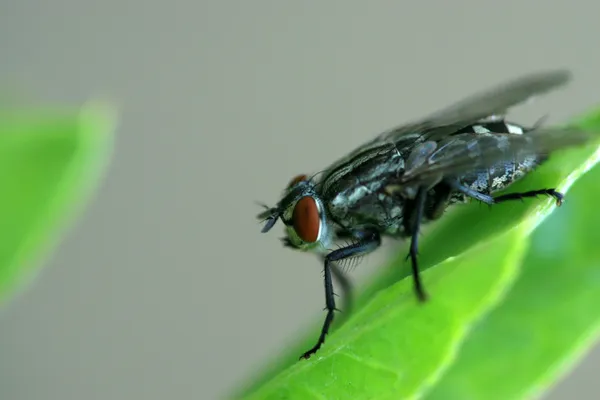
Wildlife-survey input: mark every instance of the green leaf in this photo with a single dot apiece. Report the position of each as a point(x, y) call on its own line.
point(549, 319)
point(392, 347)
point(50, 163)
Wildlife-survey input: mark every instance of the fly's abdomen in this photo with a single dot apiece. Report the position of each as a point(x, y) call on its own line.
point(502, 174)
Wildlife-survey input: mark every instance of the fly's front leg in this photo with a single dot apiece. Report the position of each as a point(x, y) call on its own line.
point(368, 243)
point(344, 282)
point(345, 285)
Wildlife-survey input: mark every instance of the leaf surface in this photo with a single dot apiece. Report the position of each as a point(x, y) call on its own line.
point(50, 163)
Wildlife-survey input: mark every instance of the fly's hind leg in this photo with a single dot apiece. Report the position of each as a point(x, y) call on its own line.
point(369, 241)
point(487, 199)
point(559, 197)
point(474, 194)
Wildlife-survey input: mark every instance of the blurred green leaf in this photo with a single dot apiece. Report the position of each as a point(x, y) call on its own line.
point(50, 163)
point(392, 347)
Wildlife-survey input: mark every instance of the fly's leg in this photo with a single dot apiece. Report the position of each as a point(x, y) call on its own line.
point(344, 234)
point(484, 198)
point(559, 197)
point(437, 203)
point(412, 224)
point(345, 286)
point(367, 244)
point(339, 275)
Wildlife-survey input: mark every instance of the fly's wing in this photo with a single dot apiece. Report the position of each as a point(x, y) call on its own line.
point(441, 124)
point(493, 101)
point(469, 152)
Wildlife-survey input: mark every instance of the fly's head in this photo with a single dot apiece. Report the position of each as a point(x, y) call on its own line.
point(303, 213)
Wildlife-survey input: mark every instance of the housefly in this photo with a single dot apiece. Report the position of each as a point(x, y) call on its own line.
point(410, 174)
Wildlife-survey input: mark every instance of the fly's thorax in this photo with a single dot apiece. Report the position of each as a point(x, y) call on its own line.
point(305, 217)
point(352, 191)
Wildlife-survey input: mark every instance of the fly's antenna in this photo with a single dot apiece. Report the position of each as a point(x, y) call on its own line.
point(270, 215)
point(270, 223)
point(261, 204)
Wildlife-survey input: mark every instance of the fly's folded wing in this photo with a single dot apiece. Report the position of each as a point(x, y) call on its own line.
point(468, 152)
point(493, 101)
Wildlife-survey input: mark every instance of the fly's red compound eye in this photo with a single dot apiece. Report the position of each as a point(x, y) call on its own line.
point(305, 219)
point(296, 180)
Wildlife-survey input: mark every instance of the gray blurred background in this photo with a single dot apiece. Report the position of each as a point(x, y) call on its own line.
point(166, 288)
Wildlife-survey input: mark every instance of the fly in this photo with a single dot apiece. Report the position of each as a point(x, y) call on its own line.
point(409, 175)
